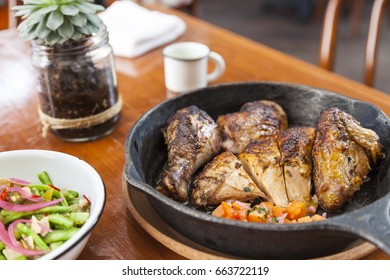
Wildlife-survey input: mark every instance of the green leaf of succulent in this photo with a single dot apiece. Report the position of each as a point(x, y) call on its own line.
point(24, 12)
point(89, 8)
point(62, 40)
point(23, 7)
point(42, 30)
point(31, 35)
point(39, 41)
point(69, 10)
point(55, 20)
point(83, 30)
point(20, 7)
point(84, 8)
point(78, 20)
point(52, 38)
point(48, 9)
point(23, 32)
point(34, 18)
point(94, 29)
point(98, 8)
point(22, 26)
point(94, 19)
point(77, 35)
point(90, 29)
point(34, 2)
point(66, 29)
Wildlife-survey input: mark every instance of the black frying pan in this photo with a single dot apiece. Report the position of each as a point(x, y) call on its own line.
point(366, 217)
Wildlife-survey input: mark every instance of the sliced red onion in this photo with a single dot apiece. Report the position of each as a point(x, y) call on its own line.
point(89, 202)
point(324, 215)
point(5, 238)
point(19, 181)
point(3, 187)
point(25, 194)
point(11, 230)
point(28, 207)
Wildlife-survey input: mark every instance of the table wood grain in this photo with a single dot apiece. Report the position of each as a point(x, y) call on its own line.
point(141, 83)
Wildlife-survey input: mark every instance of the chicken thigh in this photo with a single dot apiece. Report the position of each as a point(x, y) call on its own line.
point(193, 139)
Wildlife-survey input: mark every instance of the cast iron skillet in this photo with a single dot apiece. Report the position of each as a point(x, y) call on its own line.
point(366, 217)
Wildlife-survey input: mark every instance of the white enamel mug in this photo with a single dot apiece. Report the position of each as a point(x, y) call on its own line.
point(185, 66)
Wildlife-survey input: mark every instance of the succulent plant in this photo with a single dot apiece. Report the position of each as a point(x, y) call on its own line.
point(53, 22)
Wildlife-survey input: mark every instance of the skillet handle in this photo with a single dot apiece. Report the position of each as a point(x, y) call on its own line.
point(371, 223)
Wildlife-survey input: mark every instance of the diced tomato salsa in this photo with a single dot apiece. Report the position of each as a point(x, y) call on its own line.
point(266, 212)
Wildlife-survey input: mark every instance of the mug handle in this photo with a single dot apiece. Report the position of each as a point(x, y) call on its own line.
point(219, 67)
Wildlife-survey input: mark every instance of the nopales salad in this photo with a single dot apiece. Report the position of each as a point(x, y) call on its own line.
point(37, 218)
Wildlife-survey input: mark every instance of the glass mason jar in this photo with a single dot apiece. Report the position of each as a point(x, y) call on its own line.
point(77, 87)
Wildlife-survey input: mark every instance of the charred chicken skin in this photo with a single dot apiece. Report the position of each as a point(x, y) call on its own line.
point(343, 154)
point(296, 148)
point(223, 179)
point(193, 139)
point(256, 119)
point(271, 112)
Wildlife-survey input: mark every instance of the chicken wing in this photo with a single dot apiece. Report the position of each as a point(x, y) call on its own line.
point(193, 139)
point(341, 157)
point(224, 179)
point(256, 119)
point(366, 138)
point(261, 160)
point(296, 148)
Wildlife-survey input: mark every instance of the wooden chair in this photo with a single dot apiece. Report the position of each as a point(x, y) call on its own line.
point(12, 21)
point(329, 37)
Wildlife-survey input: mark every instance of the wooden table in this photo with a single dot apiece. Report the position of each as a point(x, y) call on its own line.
point(141, 83)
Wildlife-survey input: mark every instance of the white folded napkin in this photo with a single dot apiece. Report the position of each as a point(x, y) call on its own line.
point(134, 30)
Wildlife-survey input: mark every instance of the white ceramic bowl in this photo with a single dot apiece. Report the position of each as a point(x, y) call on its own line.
point(66, 171)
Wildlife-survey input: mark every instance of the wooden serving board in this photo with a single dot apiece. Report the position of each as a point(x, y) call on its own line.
point(154, 225)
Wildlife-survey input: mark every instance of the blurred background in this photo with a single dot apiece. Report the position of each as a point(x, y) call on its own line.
point(294, 27)
point(291, 26)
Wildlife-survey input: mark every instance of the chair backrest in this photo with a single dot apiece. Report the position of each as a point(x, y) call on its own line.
point(12, 21)
point(329, 37)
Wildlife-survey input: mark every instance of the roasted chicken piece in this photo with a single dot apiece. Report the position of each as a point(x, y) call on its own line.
point(296, 148)
point(256, 119)
point(223, 179)
point(343, 153)
point(261, 160)
point(271, 112)
point(366, 138)
point(239, 128)
point(193, 139)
